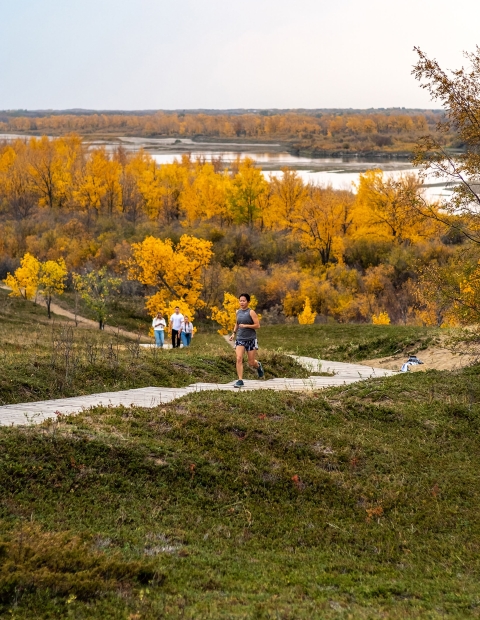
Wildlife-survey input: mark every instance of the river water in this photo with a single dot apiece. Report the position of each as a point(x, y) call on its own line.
point(338, 172)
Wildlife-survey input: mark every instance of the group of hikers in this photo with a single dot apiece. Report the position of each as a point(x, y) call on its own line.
point(244, 335)
point(180, 327)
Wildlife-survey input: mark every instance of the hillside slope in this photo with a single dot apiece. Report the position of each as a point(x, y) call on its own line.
point(357, 502)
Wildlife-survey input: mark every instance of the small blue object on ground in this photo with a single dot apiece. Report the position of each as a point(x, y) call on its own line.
point(239, 383)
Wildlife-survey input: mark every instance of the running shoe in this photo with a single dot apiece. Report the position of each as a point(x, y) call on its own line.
point(260, 371)
point(239, 383)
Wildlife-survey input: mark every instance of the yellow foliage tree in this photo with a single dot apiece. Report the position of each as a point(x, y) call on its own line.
point(205, 198)
point(226, 316)
point(24, 282)
point(51, 165)
point(288, 194)
point(386, 208)
point(246, 191)
point(307, 316)
point(320, 220)
point(449, 295)
point(381, 318)
point(52, 280)
point(174, 272)
point(17, 193)
point(99, 183)
point(161, 188)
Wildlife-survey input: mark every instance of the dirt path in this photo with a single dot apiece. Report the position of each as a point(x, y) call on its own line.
point(59, 311)
point(437, 358)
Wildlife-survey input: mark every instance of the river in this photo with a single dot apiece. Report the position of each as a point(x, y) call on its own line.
point(338, 172)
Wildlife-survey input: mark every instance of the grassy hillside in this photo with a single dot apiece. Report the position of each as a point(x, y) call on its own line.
point(357, 502)
point(44, 359)
point(347, 342)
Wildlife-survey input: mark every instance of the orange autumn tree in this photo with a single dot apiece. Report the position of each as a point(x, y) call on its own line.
point(320, 221)
point(205, 197)
point(98, 184)
point(18, 196)
point(51, 168)
point(172, 271)
point(449, 294)
point(161, 188)
point(387, 208)
point(288, 194)
point(246, 191)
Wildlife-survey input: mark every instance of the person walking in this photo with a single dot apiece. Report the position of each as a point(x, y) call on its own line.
point(176, 326)
point(246, 339)
point(159, 325)
point(186, 331)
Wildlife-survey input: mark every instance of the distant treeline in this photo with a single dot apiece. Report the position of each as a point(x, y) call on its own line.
point(315, 132)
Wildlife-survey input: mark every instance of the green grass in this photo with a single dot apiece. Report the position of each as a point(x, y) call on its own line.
point(42, 359)
point(126, 312)
point(347, 342)
point(356, 502)
point(339, 342)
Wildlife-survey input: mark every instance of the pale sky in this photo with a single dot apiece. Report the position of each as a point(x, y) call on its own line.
point(174, 54)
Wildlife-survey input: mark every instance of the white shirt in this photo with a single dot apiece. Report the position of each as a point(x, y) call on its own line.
point(159, 324)
point(176, 320)
point(187, 328)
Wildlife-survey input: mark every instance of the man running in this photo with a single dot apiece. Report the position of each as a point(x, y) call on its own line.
point(246, 338)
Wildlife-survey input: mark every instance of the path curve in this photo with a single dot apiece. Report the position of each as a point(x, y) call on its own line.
point(36, 412)
point(56, 309)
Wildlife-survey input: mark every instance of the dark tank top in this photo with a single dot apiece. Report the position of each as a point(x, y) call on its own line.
point(245, 333)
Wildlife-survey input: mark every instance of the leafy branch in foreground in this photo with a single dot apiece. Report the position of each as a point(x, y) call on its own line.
point(459, 94)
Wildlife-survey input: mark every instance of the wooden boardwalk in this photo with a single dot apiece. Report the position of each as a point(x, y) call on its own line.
point(36, 412)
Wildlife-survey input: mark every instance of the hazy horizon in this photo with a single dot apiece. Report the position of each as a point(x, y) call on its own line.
point(209, 110)
point(194, 54)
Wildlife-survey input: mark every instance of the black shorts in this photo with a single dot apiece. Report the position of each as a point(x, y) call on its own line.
point(250, 345)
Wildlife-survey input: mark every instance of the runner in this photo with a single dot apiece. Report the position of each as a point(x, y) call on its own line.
point(246, 339)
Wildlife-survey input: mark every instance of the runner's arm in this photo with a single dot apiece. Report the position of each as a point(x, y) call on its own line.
point(234, 331)
point(255, 319)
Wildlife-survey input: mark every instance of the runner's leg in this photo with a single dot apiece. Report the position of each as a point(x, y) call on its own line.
point(239, 351)
point(252, 362)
